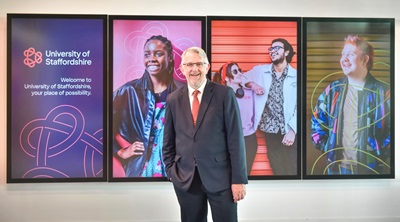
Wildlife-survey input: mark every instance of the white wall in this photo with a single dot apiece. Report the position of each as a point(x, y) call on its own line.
point(310, 200)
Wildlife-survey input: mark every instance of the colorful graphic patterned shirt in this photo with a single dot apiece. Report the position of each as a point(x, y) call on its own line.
point(373, 124)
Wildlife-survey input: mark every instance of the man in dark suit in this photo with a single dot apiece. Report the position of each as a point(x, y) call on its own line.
point(205, 156)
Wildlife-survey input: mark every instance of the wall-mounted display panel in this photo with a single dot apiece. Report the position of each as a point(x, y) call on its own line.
point(349, 82)
point(259, 57)
point(145, 54)
point(56, 98)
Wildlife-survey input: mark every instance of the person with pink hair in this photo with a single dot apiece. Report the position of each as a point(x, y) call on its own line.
point(351, 121)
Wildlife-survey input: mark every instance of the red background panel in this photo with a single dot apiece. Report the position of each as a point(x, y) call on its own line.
point(247, 43)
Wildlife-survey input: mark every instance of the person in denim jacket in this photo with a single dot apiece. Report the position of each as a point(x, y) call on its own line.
point(275, 86)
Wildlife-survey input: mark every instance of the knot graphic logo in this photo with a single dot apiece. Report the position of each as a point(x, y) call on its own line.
point(58, 146)
point(32, 57)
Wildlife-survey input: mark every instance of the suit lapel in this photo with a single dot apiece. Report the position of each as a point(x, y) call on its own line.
point(185, 105)
point(205, 102)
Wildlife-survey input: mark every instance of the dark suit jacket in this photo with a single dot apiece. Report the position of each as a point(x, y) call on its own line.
point(215, 145)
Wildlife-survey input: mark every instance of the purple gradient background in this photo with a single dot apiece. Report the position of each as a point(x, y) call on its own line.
point(69, 143)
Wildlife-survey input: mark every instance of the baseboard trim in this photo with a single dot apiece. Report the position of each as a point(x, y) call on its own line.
point(375, 219)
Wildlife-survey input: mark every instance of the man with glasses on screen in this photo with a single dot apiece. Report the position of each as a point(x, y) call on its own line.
point(275, 86)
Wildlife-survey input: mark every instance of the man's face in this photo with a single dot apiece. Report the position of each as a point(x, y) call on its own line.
point(277, 53)
point(352, 61)
point(194, 69)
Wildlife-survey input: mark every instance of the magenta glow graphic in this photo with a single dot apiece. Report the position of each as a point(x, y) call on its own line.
point(129, 37)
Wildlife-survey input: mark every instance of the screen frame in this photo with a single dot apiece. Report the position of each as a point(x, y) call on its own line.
point(112, 18)
point(306, 138)
point(298, 54)
point(10, 18)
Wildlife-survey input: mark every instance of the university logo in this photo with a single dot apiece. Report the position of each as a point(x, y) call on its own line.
point(32, 57)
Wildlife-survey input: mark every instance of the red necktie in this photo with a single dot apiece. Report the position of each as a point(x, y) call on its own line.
point(195, 106)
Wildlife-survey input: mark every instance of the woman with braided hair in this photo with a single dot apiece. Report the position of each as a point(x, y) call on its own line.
point(139, 109)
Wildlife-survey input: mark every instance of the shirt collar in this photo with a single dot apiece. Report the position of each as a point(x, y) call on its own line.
point(201, 88)
point(358, 85)
point(284, 73)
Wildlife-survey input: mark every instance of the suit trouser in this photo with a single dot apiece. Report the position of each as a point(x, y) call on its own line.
point(193, 203)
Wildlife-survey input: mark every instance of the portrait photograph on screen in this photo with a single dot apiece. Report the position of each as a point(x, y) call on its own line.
point(145, 55)
point(348, 76)
point(56, 102)
point(259, 58)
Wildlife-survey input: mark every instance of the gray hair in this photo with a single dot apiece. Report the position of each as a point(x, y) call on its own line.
point(197, 50)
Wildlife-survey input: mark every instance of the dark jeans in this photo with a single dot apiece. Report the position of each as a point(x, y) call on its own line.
point(251, 150)
point(283, 159)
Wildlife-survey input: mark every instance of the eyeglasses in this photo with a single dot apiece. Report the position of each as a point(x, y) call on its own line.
point(236, 71)
point(275, 48)
point(191, 65)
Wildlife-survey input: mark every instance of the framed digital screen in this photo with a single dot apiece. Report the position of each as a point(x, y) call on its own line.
point(145, 54)
point(349, 116)
point(259, 58)
point(56, 101)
